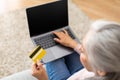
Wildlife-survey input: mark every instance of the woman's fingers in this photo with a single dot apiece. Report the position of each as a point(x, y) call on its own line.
point(39, 65)
point(57, 40)
point(65, 31)
point(58, 34)
point(34, 65)
point(34, 68)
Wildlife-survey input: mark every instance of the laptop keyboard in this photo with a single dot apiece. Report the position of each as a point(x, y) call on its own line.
point(47, 41)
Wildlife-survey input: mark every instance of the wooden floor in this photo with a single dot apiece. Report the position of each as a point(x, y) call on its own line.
point(95, 9)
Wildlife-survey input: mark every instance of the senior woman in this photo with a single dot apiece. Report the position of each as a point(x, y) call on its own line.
point(99, 52)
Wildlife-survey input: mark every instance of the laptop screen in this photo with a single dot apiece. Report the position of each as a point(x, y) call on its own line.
point(47, 17)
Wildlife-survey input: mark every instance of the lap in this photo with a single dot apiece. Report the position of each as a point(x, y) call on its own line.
point(73, 62)
point(64, 67)
point(57, 70)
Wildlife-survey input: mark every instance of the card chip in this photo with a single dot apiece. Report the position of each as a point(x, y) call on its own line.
point(37, 54)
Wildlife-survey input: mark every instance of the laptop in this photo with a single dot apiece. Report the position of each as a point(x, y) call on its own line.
point(42, 20)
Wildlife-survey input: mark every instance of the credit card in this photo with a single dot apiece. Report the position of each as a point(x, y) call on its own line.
point(37, 54)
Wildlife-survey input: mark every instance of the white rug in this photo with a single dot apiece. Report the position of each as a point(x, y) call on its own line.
point(15, 43)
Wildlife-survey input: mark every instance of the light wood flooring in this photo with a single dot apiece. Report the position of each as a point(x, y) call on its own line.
point(95, 9)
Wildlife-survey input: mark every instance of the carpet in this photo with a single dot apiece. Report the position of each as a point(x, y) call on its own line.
point(15, 43)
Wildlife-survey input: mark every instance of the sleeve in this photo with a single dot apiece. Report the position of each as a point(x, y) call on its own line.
point(81, 75)
point(77, 48)
point(23, 75)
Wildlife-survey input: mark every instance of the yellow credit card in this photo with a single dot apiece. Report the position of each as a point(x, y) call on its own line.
point(37, 54)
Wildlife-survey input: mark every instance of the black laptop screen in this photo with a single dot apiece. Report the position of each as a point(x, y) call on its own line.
point(47, 17)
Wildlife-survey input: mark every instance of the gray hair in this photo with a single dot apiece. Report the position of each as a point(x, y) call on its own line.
point(103, 47)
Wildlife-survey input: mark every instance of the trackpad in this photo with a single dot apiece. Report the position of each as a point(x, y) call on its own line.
point(60, 51)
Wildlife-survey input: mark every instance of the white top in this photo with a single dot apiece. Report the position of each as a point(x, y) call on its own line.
point(81, 75)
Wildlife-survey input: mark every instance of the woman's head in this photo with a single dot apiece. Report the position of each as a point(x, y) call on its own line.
point(102, 47)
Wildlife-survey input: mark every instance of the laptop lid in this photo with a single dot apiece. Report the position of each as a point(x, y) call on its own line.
point(47, 17)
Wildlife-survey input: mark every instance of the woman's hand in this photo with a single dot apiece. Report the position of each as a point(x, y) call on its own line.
point(38, 71)
point(65, 39)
